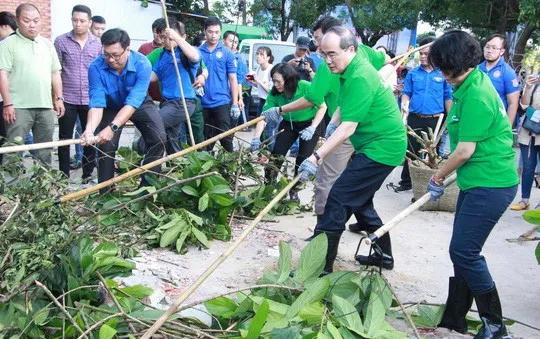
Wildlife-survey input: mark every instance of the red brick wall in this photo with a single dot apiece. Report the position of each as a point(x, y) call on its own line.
point(44, 8)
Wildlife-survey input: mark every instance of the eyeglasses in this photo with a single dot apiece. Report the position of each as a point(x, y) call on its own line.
point(491, 48)
point(278, 82)
point(331, 55)
point(114, 57)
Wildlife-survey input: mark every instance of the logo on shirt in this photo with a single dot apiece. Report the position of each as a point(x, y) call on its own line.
point(438, 79)
point(455, 118)
point(496, 74)
point(515, 82)
point(219, 55)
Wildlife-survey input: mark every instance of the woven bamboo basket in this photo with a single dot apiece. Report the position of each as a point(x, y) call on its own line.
point(420, 176)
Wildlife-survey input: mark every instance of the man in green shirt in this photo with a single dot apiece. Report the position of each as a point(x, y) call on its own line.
point(29, 73)
point(372, 122)
point(325, 88)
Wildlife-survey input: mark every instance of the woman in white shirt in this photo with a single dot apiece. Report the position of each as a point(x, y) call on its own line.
point(261, 79)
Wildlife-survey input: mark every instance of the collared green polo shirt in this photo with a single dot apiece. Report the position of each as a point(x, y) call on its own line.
point(478, 115)
point(366, 99)
point(281, 100)
point(325, 84)
point(30, 64)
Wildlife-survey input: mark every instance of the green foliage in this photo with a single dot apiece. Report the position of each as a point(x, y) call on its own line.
point(533, 217)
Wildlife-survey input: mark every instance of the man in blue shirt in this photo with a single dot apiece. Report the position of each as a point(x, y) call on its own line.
point(230, 40)
point(426, 97)
point(172, 109)
point(220, 101)
point(118, 89)
point(502, 76)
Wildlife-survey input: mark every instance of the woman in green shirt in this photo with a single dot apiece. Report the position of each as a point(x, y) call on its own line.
point(482, 155)
point(304, 124)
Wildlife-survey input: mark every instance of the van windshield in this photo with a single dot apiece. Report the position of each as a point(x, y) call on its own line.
point(278, 51)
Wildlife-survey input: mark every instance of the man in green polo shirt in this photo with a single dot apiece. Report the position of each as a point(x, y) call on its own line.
point(372, 122)
point(29, 72)
point(325, 88)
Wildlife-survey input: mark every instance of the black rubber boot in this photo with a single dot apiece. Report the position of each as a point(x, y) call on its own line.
point(331, 254)
point(489, 308)
point(319, 218)
point(457, 306)
point(384, 259)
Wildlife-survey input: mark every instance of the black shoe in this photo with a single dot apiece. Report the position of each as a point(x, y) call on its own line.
point(457, 306)
point(374, 259)
point(403, 187)
point(356, 228)
point(489, 308)
point(294, 196)
point(311, 237)
point(75, 165)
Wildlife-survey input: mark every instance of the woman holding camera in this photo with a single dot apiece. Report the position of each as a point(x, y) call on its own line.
point(261, 79)
point(482, 155)
point(304, 124)
point(529, 143)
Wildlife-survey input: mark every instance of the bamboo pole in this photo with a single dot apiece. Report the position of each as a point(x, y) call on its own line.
point(142, 169)
point(41, 145)
point(179, 78)
point(408, 53)
point(403, 214)
point(193, 287)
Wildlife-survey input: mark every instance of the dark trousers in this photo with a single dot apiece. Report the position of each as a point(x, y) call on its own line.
point(353, 192)
point(418, 124)
point(2, 132)
point(66, 124)
point(218, 120)
point(529, 155)
point(477, 211)
point(149, 123)
point(284, 141)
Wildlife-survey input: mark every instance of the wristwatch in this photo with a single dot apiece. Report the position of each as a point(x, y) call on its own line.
point(113, 127)
point(60, 98)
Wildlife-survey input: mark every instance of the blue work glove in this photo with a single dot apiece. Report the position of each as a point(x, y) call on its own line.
point(306, 169)
point(272, 115)
point(255, 144)
point(435, 189)
point(329, 130)
point(307, 133)
point(235, 112)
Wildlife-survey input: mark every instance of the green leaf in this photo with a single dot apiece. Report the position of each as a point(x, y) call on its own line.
point(221, 307)
point(40, 318)
point(222, 200)
point(207, 165)
point(107, 249)
point(170, 236)
point(285, 333)
point(314, 292)
point(203, 202)
point(138, 291)
point(374, 314)
point(258, 321)
point(284, 262)
point(180, 241)
point(347, 315)
point(429, 316)
point(275, 307)
point(106, 332)
point(538, 253)
point(195, 218)
point(312, 259)
point(190, 191)
point(115, 261)
point(200, 236)
point(312, 313)
point(333, 330)
point(532, 217)
point(220, 189)
point(144, 189)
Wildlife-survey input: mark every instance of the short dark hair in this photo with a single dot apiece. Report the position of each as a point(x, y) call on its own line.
point(312, 46)
point(157, 23)
point(455, 52)
point(25, 7)
point(198, 40)
point(211, 21)
point(227, 33)
point(173, 23)
point(325, 23)
point(425, 41)
point(115, 35)
point(290, 78)
point(7, 18)
point(500, 36)
point(98, 19)
point(82, 9)
point(268, 53)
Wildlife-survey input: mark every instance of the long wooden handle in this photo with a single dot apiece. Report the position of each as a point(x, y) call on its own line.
point(406, 54)
point(144, 168)
point(404, 214)
point(174, 307)
point(41, 145)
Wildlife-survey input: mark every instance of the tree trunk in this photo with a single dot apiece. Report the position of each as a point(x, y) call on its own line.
point(206, 7)
point(519, 51)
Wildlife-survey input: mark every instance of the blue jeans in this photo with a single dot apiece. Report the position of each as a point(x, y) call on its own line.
point(478, 210)
point(529, 156)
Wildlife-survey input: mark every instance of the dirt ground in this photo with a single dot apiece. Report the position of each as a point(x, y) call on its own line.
point(420, 246)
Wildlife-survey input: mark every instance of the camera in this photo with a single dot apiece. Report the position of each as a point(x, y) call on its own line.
point(301, 63)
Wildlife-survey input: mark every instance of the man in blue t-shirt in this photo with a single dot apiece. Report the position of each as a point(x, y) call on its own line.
point(501, 74)
point(230, 40)
point(172, 109)
point(220, 101)
point(426, 98)
point(118, 91)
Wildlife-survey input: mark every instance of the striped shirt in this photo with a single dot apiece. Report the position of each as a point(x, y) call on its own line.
point(75, 62)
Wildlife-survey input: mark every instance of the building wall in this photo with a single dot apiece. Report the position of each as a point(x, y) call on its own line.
point(44, 7)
